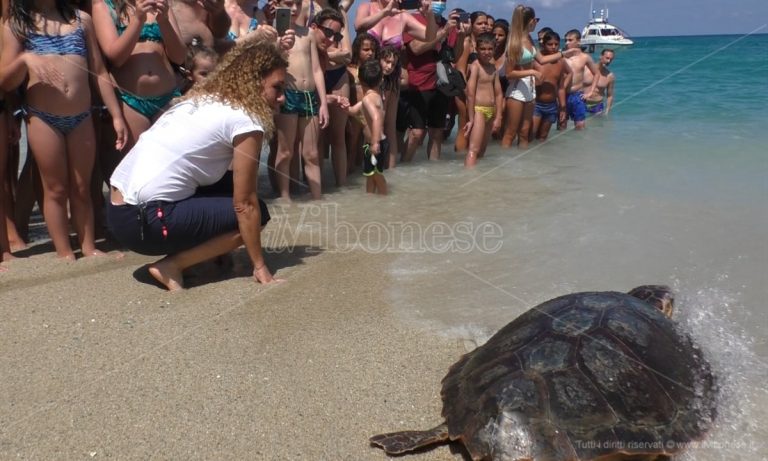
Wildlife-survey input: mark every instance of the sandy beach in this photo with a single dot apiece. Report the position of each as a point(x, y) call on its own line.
point(100, 363)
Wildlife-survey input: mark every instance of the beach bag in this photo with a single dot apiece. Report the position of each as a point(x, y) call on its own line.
point(450, 82)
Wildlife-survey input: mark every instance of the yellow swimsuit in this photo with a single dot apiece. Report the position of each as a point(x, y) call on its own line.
point(486, 111)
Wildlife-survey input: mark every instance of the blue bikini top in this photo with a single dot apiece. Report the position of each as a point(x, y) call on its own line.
point(253, 25)
point(150, 32)
point(71, 43)
point(527, 56)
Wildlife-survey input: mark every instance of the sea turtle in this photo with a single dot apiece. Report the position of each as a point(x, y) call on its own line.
point(602, 376)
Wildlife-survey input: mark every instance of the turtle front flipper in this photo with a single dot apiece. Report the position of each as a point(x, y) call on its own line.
point(397, 443)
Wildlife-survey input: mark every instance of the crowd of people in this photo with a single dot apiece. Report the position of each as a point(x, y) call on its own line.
point(168, 102)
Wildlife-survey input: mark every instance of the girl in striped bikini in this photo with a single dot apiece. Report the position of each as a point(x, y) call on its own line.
point(52, 46)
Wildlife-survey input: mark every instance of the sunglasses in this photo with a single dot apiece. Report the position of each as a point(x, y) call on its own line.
point(329, 33)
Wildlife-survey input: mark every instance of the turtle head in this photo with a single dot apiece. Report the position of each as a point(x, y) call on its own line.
point(660, 296)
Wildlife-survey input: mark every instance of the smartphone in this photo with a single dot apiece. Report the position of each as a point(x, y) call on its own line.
point(464, 17)
point(410, 4)
point(282, 20)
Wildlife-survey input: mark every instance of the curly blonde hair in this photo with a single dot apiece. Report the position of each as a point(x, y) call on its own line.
point(238, 80)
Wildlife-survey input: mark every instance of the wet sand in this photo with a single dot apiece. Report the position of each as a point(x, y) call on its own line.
point(98, 362)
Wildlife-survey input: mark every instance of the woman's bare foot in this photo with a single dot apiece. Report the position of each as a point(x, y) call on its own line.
point(168, 274)
point(6, 256)
point(17, 245)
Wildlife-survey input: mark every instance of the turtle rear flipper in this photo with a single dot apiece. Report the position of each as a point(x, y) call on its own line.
point(397, 443)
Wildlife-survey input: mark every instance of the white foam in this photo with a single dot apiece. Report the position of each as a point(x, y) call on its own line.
point(740, 433)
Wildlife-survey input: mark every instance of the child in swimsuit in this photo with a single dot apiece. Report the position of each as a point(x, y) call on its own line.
point(371, 109)
point(364, 47)
point(55, 48)
point(200, 62)
point(305, 111)
point(485, 97)
point(140, 39)
point(551, 89)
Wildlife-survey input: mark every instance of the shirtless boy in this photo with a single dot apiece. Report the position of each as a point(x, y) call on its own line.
point(371, 107)
point(485, 99)
point(550, 92)
point(305, 110)
point(601, 100)
point(578, 61)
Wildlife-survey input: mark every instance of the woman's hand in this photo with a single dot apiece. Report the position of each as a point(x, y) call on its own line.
point(390, 9)
point(426, 7)
point(264, 276)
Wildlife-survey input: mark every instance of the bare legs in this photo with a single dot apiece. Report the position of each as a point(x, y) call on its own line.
point(416, 139)
point(376, 184)
point(354, 131)
point(65, 169)
point(519, 118)
point(5, 246)
point(478, 140)
point(297, 134)
point(336, 132)
point(390, 126)
point(461, 111)
point(168, 270)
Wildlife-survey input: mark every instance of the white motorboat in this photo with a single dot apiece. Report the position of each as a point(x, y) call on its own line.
point(599, 33)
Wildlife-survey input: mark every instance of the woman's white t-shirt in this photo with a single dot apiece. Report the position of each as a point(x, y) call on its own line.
point(190, 145)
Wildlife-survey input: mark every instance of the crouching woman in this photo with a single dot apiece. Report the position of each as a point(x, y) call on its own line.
point(173, 194)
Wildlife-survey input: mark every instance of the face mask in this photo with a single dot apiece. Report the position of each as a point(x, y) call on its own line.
point(438, 8)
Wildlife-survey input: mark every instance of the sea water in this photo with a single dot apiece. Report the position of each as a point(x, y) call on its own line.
point(671, 188)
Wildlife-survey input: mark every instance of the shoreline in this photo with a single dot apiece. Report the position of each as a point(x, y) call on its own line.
point(103, 366)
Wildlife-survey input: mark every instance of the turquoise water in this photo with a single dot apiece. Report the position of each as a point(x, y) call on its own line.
point(671, 188)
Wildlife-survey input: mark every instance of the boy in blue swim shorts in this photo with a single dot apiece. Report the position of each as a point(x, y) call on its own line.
point(305, 111)
point(577, 61)
point(550, 92)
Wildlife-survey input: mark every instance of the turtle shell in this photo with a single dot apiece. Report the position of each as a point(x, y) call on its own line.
point(583, 376)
